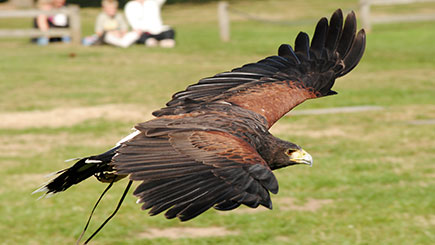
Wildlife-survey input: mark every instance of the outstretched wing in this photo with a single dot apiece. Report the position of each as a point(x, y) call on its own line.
point(275, 85)
point(187, 172)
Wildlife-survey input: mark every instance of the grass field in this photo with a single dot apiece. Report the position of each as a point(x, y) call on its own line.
point(373, 177)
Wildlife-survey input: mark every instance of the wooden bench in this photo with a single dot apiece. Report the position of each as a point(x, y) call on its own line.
point(74, 29)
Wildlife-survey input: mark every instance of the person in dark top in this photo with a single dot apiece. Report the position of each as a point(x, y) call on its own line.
point(145, 18)
point(44, 22)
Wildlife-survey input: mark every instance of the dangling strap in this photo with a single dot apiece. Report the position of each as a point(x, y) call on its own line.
point(114, 212)
point(92, 212)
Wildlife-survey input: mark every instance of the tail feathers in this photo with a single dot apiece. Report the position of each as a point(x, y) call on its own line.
point(81, 170)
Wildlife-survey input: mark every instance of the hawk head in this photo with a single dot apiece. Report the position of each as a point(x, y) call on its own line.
point(287, 153)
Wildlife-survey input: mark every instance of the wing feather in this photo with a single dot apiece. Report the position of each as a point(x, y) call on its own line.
point(308, 71)
point(348, 35)
point(355, 53)
point(302, 45)
point(198, 170)
point(334, 31)
point(318, 41)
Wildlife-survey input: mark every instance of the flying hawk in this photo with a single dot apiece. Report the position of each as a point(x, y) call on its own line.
point(210, 146)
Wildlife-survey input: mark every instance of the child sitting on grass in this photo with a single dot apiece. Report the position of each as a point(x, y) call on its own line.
point(111, 27)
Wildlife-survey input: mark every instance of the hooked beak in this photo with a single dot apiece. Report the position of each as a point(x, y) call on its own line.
point(302, 157)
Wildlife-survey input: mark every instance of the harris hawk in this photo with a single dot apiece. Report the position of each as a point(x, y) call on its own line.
point(210, 146)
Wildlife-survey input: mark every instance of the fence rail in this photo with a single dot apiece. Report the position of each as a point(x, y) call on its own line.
point(72, 11)
point(368, 20)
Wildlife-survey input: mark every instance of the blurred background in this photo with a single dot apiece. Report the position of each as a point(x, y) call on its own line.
point(373, 144)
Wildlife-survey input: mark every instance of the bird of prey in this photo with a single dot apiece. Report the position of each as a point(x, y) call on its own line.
point(210, 146)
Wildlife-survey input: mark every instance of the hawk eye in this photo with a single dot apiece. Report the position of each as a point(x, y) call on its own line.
point(289, 151)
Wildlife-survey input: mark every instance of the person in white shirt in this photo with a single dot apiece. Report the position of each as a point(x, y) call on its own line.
point(145, 19)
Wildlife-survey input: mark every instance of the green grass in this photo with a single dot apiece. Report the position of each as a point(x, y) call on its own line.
point(375, 167)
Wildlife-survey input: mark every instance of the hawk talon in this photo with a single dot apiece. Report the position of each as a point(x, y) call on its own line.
point(108, 177)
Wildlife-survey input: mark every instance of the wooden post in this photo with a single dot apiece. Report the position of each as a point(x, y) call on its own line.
point(365, 14)
point(75, 24)
point(224, 21)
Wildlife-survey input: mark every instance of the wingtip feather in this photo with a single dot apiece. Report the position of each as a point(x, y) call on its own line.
point(302, 45)
point(318, 41)
point(334, 31)
point(287, 51)
point(355, 53)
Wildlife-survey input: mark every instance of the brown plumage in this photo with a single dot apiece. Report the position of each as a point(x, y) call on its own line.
point(210, 146)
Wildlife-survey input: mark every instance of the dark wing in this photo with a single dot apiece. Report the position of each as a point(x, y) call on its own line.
point(187, 172)
point(273, 86)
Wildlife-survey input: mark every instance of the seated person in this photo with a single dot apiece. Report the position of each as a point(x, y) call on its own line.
point(145, 19)
point(44, 22)
point(111, 27)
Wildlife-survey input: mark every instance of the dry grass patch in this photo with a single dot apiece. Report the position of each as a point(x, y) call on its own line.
point(286, 203)
point(31, 144)
point(61, 117)
point(186, 232)
point(245, 210)
point(409, 113)
point(300, 130)
point(27, 181)
point(282, 239)
point(425, 221)
point(289, 203)
point(431, 175)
